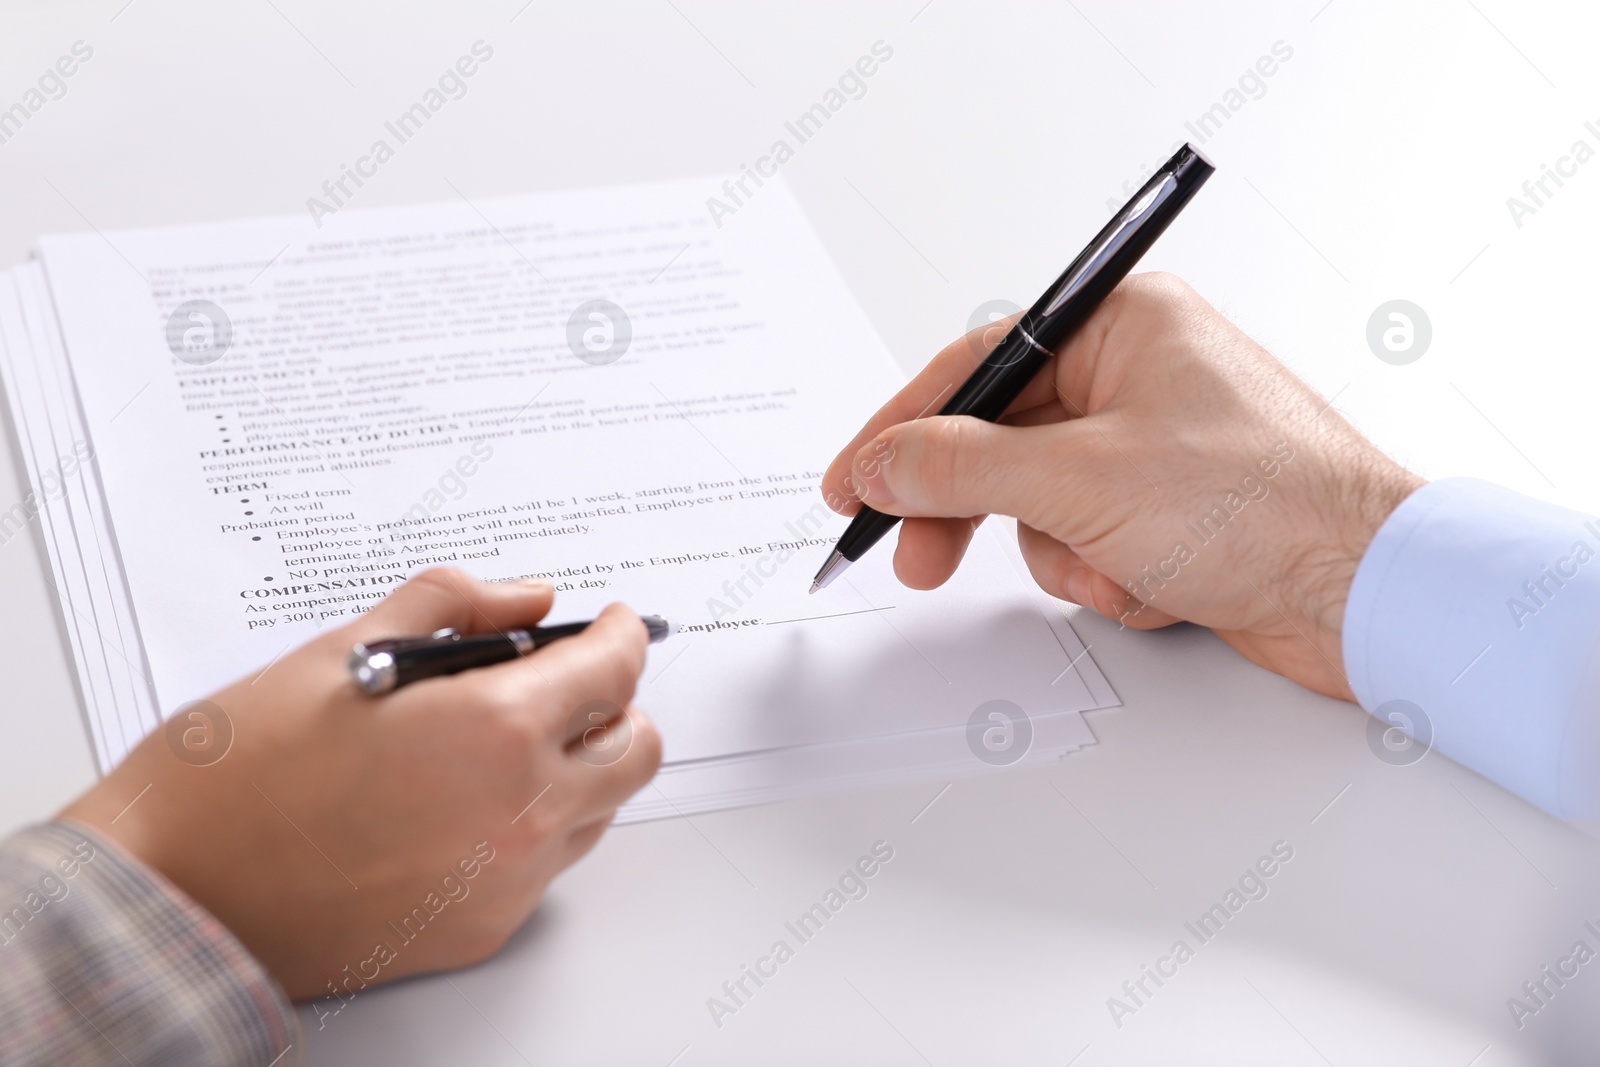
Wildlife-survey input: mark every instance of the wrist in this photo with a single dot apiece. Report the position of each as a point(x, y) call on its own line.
point(104, 811)
point(124, 808)
point(1368, 489)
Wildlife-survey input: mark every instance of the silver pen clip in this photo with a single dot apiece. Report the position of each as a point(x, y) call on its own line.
point(1132, 217)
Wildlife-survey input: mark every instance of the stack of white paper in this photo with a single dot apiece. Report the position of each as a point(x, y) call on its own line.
point(240, 434)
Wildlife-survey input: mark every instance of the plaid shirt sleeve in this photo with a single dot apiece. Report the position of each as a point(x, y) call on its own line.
point(103, 961)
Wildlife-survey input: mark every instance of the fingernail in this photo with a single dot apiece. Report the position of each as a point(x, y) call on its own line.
point(870, 483)
point(537, 584)
point(1078, 588)
point(844, 505)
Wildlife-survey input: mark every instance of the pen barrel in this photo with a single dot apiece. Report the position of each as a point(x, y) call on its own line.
point(657, 629)
point(451, 657)
point(1116, 249)
point(865, 530)
point(1081, 289)
point(999, 379)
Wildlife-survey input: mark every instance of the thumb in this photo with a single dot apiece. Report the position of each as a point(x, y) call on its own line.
point(957, 466)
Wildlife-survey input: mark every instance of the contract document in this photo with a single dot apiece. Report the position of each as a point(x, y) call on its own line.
point(270, 425)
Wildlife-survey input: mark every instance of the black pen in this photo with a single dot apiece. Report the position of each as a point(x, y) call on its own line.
point(386, 665)
point(1054, 318)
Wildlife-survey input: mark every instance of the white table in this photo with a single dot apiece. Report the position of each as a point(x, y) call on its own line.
point(1374, 165)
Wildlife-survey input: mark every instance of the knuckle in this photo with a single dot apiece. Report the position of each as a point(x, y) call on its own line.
point(873, 455)
point(1158, 291)
point(1156, 284)
point(637, 648)
point(625, 653)
point(541, 823)
point(647, 744)
point(625, 678)
point(598, 682)
point(950, 457)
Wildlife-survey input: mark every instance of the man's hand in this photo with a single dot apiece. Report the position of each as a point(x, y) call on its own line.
point(1163, 467)
point(428, 820)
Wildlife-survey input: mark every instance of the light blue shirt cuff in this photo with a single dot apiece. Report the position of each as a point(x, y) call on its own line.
point(1481, 607)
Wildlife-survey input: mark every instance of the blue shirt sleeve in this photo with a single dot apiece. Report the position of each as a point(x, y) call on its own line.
point(1475, 618)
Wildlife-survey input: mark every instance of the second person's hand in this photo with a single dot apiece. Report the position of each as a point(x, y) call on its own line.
point(348, 840)
point(1162, 467)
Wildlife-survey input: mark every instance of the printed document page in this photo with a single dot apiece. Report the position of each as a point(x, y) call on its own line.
point(600, 387)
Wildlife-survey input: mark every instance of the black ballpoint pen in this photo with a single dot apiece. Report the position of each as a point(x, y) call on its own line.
point(381, 666)
point(1064, 307)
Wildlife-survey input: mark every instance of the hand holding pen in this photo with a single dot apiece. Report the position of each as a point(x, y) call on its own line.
point(990, 390)
point(483, 784)
point(1161, 466)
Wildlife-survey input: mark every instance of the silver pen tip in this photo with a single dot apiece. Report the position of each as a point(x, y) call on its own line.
point(830, 570)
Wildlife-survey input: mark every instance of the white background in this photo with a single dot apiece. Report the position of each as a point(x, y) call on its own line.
point(1376, 166)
